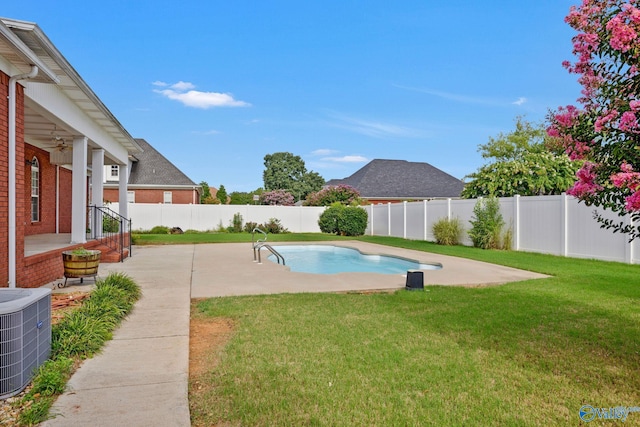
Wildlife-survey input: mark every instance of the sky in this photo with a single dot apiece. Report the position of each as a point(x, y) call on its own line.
point(216, 85)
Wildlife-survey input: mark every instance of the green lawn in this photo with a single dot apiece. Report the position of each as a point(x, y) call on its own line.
point(527, 353)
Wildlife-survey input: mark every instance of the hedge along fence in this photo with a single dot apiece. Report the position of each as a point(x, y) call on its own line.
point(556, 225)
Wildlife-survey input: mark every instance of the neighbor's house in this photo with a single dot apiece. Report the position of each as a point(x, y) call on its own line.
point(392, 181)
point(55, 138)
point(153, 179)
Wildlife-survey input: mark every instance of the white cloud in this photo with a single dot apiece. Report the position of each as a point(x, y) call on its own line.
point(520, 101)
point(160, 83)
point(182, 86)
point(183, 92)
point(346, 159)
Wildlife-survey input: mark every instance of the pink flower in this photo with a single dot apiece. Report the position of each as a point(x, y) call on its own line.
point(603, 120)
point(633, 202)
point(586, 184)
point(622, 34)
point(627, 178)
point(634, 105)
point(628, 122)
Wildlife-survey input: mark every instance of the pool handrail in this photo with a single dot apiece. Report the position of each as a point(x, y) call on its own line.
point(272, 250)
point(255, 243)
point(259, 244)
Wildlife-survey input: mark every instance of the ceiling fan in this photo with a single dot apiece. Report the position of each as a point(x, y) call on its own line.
point(58, 142)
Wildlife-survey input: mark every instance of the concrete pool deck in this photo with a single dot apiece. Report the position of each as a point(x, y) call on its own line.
point(241, 276)
point(141, 376)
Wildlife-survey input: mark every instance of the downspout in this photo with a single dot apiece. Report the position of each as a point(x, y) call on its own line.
point(12, 171)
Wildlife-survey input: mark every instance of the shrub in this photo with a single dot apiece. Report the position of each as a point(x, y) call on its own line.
point(486, 224)
point(448, 231)
point(159, 229)
point(110, 224)
point(249, 226)
point(273, 226)
point(236, 223)
point(343, 220)
point(344, 194)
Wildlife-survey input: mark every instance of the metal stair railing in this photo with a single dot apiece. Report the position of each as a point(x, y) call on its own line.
point(112, 229)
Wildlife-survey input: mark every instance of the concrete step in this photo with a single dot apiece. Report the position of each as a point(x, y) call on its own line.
point(109, 255)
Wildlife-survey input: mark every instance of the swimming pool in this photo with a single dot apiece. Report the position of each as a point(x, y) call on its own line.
point(327, 259)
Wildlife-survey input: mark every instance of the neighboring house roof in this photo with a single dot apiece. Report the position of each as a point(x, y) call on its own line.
point(153, 169)
point(400, 179)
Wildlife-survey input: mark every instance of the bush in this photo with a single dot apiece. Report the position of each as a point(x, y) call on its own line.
point(236, 223)
point(448, 231)
point(343, 220)
point(159, 229)
point(249, 226)
point(273, 226)
point(486, 224)
point(344, 194)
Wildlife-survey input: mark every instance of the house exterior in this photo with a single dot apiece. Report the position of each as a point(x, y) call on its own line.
point(152, 179)
point(55, 138)
point(393, 181)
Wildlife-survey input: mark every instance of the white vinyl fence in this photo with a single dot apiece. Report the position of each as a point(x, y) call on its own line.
point(145, 216)
point(556, 225)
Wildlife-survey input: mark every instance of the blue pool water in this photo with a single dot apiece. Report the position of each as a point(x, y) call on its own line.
point(325, 259)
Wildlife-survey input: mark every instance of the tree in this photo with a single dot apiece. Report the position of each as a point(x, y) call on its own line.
point(344, 194)
point(605, 132)
point(524, 163)
point(284, 171)
point(277, 197)
point(221, 195)
point(243, 198)
point(206, 198)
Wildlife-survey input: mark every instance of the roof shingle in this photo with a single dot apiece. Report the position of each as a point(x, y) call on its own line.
point(402, 180)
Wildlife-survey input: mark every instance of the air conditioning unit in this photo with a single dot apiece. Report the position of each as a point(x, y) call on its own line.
point(25, 336)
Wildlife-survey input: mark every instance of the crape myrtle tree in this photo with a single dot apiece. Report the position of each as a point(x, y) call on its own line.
point(521, 162)
point(604, 131)
point(285, 171)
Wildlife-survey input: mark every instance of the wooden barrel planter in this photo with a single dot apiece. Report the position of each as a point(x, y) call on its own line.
point(80, 264)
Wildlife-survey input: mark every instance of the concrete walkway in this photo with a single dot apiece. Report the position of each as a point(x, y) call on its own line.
point(141, 376)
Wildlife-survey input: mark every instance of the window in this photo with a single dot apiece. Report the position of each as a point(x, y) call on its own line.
point(114, 171)
point(35, 190)
point(167, 197)
point(131, 196)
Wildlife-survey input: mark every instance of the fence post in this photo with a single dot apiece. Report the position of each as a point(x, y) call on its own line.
point(516, 222)
point(388, 218)
point(628, 252)
point(565, 225)
point(371, 218)
point(426, 229)
point(449, 209)
point(404, 219)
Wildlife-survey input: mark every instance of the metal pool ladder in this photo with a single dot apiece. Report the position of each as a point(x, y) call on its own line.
point(259, 244)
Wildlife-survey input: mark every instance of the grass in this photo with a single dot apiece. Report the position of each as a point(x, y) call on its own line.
point(526, 353)
point(177, 239)
point(79, 335)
